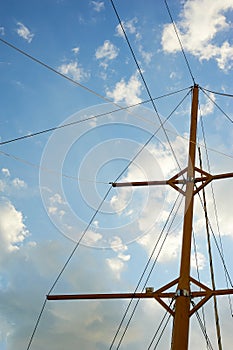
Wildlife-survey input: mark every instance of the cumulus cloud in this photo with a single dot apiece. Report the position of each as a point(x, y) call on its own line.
point(6, 172)
point(146, 55)
point(75, 50)
point(91, 238)
point(56, 205)
point(2, 31)
point(198, 33)
point(129, 27)
point(199, 260)
point(12, 228)
point(73, 70)
point(127, 92)
point(170, 249)
point(24, 32)
point(207, 107)
point(117, 264)
point(106, 52)
point(18, 183)
point(98, 6)
point(8, 185)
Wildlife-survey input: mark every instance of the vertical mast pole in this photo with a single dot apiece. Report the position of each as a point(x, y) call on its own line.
point(182, 306)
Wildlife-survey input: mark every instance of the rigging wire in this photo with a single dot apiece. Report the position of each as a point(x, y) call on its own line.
point(164, 327)
point(37, 324)
point(224, 113)
point(78, 243)
point(75, 122)
point(152, 136)
point(202, 328)
point(218, 93)
point(89, 118)
point(67, 262)
point(199, 279)
point(215, 209)
point(144, 82)
point(160, 325)
point(181, 45)
point(45, 65)
point(51, 171)
point(145, 269)
point(217, 245)
point(201, 145)
point(211, 263)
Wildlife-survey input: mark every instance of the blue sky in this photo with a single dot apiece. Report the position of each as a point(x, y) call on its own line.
point(52, 184)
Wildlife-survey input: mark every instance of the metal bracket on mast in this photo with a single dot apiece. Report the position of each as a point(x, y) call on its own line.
point(176, 180)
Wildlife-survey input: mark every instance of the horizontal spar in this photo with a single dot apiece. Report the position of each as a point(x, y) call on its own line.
point(100, 296)
point(144, 295)
point(139, 183)
point(148, 183)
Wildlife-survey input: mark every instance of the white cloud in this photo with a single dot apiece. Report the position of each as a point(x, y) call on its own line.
point(117, 245)
point(198, 260)
point(98, 6)
point(117, 264)
point(208, 107)
point(147, 56)
point(198, 33)
point(18, 183)
point(129, 27)
point(170, 249)
point(120, 200)
point(12, 228)
point(2, 31)
point(6, 172)
point(127, 92)
point(107, 51)
point(75, 50)
point(91, 238)
point(24, 32)
point(73, 70)
point(56, 201)
point(9, 186)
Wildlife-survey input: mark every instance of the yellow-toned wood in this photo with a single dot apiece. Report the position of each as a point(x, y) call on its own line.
point(182, 306)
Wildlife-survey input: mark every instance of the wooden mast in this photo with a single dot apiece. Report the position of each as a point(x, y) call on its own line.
point(182, 305)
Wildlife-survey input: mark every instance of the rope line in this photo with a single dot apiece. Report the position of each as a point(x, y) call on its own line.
point(71, 255)
point(202, 328)
point(160, 325)
point(211, 262)
point(146, 267)
point(198, 277)
point(89, 118)
point(45, 65)
point(51, 171)
point(66, 263)
point(216, 212)
point(37, 324)
point(218, 93)
point(178, 37)
point(144, 82)
point(224, 113)
point(161, 334)
point(216, 243)
point(152, 136)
